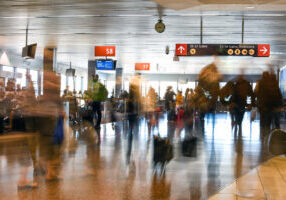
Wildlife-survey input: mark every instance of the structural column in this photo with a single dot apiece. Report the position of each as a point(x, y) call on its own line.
point(50, 80)
point(118, 81)
point(39, 81)
point(91, 71)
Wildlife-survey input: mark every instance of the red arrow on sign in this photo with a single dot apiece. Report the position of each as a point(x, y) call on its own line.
point(181, 49)
point(263, 50)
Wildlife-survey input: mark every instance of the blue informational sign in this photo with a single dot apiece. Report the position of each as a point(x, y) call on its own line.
point(105, 64)
point(282, 82)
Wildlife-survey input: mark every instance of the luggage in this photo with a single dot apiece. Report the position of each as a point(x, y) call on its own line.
point(276, 142)
point(189, 147)
point(18, 124)
point(163, 151)
point(86, 113)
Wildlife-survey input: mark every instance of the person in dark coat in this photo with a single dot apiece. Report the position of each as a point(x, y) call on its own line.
point(242, 90)
point(269, 102)
point(169, 98)
point(226, 98)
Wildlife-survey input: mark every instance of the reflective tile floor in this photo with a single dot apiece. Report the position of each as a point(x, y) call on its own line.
point(267, 181)
point(114, 164)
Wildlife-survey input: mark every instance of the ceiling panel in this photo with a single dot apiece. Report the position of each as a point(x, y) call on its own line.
point(76, 26)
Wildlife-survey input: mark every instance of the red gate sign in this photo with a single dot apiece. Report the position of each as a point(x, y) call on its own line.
point(104, 51)
point(181, 49)
point(142, 66)
point(263, 50)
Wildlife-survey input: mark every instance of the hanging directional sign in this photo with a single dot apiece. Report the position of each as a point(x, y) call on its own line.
point(142, 66)
point(104, 51)
point(255, 50)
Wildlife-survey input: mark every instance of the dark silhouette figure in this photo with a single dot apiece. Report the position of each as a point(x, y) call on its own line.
point(242, 90)
point(269, 102)
point(226, 98)
point(169, 98)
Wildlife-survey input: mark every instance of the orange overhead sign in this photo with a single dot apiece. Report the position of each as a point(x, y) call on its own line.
point(104, 51)
point(142, 66)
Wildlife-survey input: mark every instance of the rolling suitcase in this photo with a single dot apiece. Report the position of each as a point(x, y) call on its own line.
point(163, 151)
point(189, 147)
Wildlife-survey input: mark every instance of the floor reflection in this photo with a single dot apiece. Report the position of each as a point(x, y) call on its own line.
point(114, 163)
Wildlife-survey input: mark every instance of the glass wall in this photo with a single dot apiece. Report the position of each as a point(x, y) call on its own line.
point(8, 69)
point(80, 83)
point(126, 85)
point(110, 86)
point(183, 87)
point(34, 77)
point(21, 81)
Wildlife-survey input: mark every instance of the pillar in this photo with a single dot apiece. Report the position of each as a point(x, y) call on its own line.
point(48, 75)
point(39, 81)
point(118, 81)
point(91, 71)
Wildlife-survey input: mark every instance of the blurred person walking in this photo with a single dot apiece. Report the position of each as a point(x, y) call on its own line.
point(242, 90)
point(269, 102)
point(132, 119)
point(226, 98)
point(97, 94)
point(169, 98)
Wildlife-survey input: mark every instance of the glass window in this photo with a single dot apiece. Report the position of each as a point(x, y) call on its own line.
point(8, 69)
point(63, 83)
point(222, 84)
point(70, 83)
point(126, 85)
point(183, 87)
point(77, 84)
point(34, 77)
point(110, 86)
point(21, 81)
point(253, 86)
point(84, 83)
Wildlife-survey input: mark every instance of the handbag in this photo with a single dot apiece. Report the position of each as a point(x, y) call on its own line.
point(58, 135)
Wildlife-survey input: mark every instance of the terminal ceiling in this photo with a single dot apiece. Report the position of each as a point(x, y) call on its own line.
point(76, 26)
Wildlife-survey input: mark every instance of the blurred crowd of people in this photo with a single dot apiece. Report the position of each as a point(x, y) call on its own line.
point(13, 102)
point(45, 114)
point(237, 95)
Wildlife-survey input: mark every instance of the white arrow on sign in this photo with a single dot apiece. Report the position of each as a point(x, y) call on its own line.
point(181, 49)
point(264, 50)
